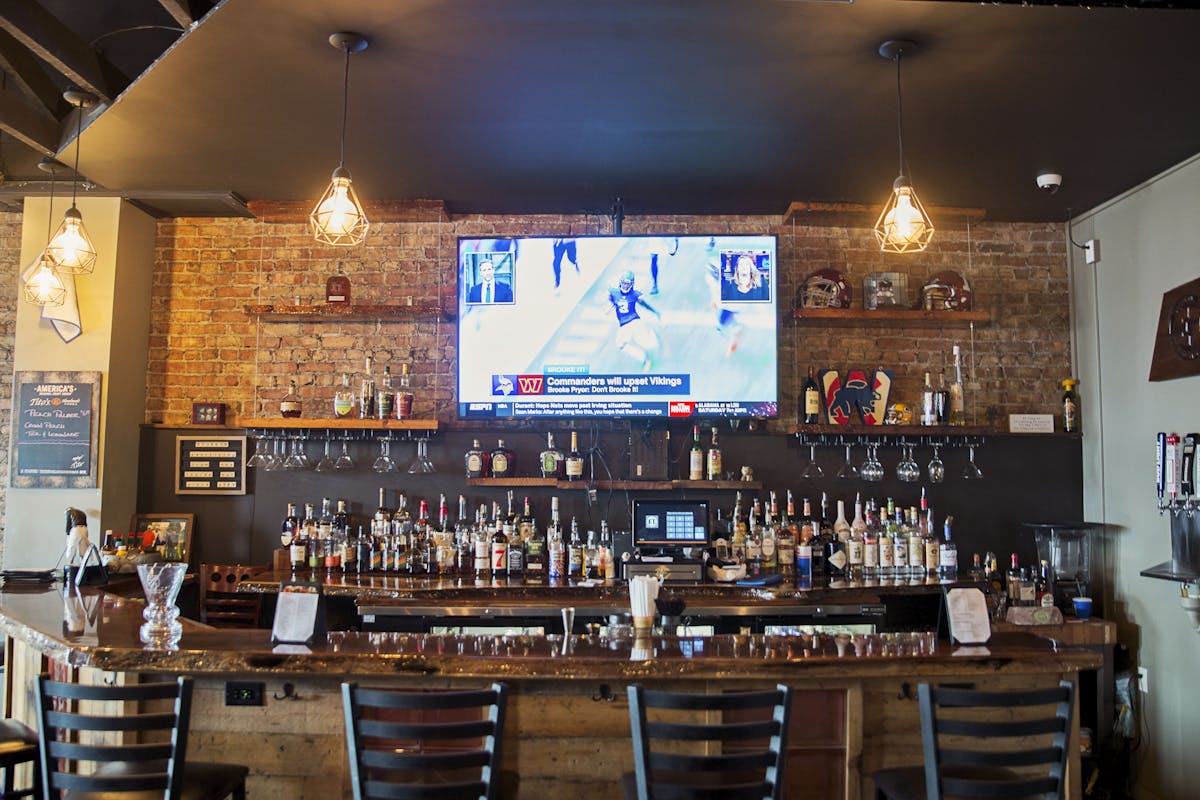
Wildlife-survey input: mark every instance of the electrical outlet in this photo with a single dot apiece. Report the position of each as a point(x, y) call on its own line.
point(1143, 680)
point(243, 693)
point(1091, 251)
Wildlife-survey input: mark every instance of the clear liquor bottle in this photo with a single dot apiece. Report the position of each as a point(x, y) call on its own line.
point(483, 548)
point(958, 398)
point(870, 545)
point(403, 404)
point(713, 464)
point(343, 399)
point(499, 551)
point(899, 544)
point(916, 545)
point(551, 460)
point(366, 405)
point(770, 542)
point(785, 539)
point(290, 406)
point(290, 526)
point(316, 557)
point(948, 554)
point(385, 399)
point(574, 552)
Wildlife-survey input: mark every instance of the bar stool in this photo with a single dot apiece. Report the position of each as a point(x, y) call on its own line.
point(18, 745)
point(135, 771)
point(732, 759)
point(424, 744)
point(220, 605)
point(983, 756)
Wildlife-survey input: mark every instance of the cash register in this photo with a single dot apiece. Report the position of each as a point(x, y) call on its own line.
point(671, 537)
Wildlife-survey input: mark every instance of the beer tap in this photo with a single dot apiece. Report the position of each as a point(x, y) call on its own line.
point(1171, 468)
point(1188, 481)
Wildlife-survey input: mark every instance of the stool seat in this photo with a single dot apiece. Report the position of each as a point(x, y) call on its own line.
point(18, 745)
point(202, 780)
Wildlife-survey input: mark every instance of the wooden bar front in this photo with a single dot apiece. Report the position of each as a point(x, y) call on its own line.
point(567, 734)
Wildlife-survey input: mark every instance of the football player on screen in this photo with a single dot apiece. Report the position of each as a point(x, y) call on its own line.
point(634, 334)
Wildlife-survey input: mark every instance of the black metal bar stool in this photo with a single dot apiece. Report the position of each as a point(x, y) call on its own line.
point(18, 745)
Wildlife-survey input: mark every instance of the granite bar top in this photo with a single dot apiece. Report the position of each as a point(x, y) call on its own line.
point(99, 629)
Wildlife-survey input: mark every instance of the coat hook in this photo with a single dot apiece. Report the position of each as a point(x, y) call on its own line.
point(289, 693)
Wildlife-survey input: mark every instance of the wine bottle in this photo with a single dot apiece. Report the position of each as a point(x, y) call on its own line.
point(696, 457)
point(958, 400)
point(812, 399)
point(928, 403)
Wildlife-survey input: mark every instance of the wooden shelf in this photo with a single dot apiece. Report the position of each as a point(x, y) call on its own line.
point(858, 215)
point(345, 424)
point(644, 486)
point(353, 312)
point(859, 429)
point(888, 316)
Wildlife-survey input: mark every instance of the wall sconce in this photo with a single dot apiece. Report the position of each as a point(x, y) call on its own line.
point(903, 226)
point(71, 249)
point(338, 218)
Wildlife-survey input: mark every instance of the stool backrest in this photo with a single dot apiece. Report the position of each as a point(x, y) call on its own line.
point(410, 744)
point(87, 745)
point(996, 743)
point(219, 604)
point(708, 756)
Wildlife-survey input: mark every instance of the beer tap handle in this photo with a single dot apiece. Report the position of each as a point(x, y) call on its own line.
point(1160, 463)
point(1172, 471)
point(1188, 481)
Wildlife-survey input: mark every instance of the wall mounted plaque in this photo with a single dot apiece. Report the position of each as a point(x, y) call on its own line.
point(1177, 338)
point(210, 465)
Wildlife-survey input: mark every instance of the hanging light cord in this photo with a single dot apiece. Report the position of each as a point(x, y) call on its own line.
point(345, 106)
point(78, 133)
point(899, 113)
point(50, 213)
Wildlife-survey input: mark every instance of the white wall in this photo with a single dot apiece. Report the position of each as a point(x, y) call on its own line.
point(1149, 243)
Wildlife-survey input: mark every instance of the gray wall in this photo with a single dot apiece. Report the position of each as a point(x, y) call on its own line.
point(1149, 243)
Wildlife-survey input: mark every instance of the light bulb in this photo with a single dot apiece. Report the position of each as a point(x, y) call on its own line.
point(42, 284)
point(905, 223)
point(70, 249)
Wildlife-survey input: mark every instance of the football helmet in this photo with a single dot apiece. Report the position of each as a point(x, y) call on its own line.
point(825, 288)
point(625, 282)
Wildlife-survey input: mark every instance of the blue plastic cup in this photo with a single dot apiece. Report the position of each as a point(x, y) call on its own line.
point(1083, 607)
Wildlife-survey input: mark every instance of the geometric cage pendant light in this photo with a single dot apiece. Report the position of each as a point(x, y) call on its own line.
point(338, 218)
point(903, 225)
point(41, 283)
point(71, 249)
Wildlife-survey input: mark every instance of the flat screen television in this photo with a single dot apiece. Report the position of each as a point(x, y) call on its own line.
point(670, 523)
point(617, 326)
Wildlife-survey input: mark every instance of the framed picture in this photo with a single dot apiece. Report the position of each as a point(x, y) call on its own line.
point(170, 533)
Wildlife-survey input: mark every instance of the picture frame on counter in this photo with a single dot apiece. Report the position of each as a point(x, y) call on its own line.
point(174, 531)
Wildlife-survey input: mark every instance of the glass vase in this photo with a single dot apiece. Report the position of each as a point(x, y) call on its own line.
point(160, 584)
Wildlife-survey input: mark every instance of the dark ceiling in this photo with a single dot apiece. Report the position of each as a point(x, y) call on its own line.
point(558, 106)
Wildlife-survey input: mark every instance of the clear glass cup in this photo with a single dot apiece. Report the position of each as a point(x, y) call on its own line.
point(384, 463)
point(326, 464)
point(421, 465)
point(275, 461)
point(262, 452)
point(296, 458)
point(848, 470)
point(344, 461)
point(813, 470)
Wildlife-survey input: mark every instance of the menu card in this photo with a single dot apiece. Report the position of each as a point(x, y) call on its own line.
point(968, 614)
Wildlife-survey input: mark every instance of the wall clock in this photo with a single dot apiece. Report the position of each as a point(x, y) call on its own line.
point(1177, 339)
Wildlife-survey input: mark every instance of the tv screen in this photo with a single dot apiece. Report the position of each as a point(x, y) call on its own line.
point(664, 523)
point(617, 326)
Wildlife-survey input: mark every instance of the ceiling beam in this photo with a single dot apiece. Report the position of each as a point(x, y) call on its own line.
point(29, 74)
point(57, 45)
point(23, 122)
point(179, 11)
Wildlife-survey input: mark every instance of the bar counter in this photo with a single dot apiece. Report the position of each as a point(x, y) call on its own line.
point(567, 734)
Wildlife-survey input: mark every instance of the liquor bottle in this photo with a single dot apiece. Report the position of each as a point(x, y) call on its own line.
point(928, 403)
point(337, 287)
point(289, 406)
point(607, 560)
point(591, 557)
point(298, 549)
point(499, 551)
point(769, 543)
point(573, 465)
point(899, 545)
point(804, 572)
point(551, 460)
point(870, 546)
point(516, 549)
point(1013, 581)
point(738, 535)
point(812, 399)
point(887, 555)
point(822, 533)
point(483, 546)
point(341, 519)
point(290, 527)
point(1028, 592)
point(535, 548)
point(316, 556)
point(859, 525)
point(421, 547)
point(504, 461)
point(958, 399)
point(366, 397)
point(785, 538)
point(841, 528)
point(444, 514)
point(1070, 402)
point(385, 400)
point(477, 461)
point(837, 558)
point(933, 545)
point(941, 400)
point(1044, 586)
point(574, 552)
point(916, 545)
point(349, 553)
point(696, 457)
point(555, 545)
point(854, 548)
point(403, 405)
point(714, 459)
point(364, 552)
point(343, 398)
point(977, 574)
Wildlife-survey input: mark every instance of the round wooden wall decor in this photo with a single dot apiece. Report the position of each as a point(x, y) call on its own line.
point(1177, 339)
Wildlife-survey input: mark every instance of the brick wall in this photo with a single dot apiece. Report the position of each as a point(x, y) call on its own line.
point(203, 346)
point(10, 272)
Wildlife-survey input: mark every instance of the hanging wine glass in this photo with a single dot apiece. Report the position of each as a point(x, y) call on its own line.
point(872, 468)
point(936, 469)
point(848, 470)
point(421, 464)
point(326, 464)
point(384, 463)
point(262, 456)
point(275, 460)
point(813, 470)
point(908, 470)
point(972, 472)
point(296, 459)
point(344, 461)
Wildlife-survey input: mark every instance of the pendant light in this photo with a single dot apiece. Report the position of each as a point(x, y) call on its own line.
point(338, 218)
point(71, 248)
point(903, 226)
point(40, 283)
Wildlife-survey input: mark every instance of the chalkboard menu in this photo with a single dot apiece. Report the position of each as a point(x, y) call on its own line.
point(56, 428)
point(210, 465)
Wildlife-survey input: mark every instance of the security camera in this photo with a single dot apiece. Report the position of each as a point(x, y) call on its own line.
point(1049, 182)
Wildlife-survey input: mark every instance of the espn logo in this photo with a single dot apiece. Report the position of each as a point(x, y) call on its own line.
point(531, 384)
point(680, 409)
